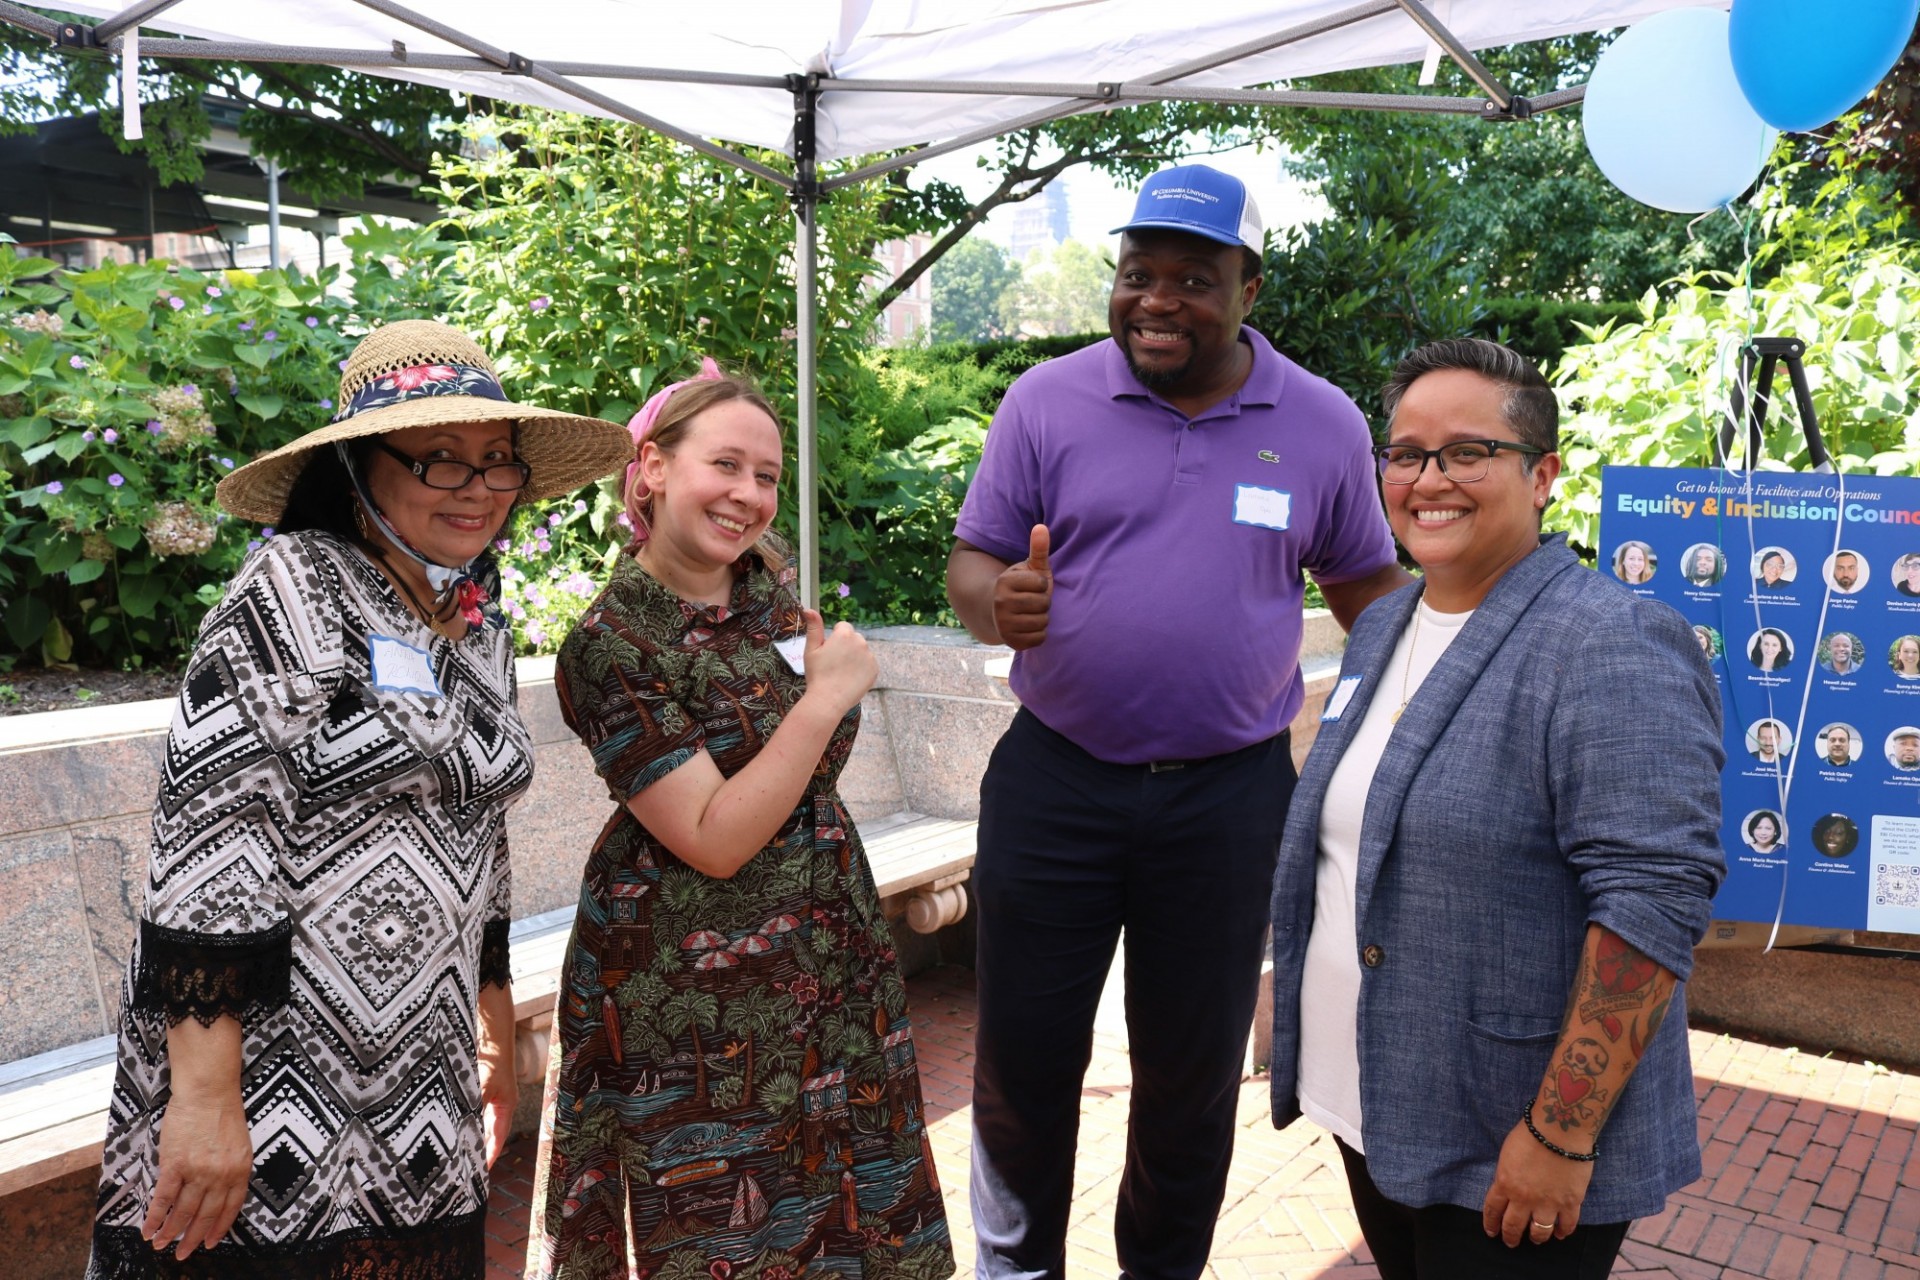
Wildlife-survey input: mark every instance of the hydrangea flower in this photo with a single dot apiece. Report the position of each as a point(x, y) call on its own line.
point(116, 479)
point(540, 303)
point(77, 362)
point(54, 486)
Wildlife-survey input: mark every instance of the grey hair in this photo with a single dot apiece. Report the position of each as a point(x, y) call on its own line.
point(1531, 410)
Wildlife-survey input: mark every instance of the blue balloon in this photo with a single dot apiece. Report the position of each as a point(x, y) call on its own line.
point(1665, 119)
point(1801, 69)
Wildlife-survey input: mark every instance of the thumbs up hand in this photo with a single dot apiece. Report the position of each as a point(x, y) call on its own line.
point(1023, 595)
point(840, 667)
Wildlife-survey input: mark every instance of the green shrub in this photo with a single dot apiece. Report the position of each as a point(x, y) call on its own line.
point(1543, 328)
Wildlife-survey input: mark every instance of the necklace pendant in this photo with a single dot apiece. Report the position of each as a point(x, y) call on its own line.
point(1398, 712)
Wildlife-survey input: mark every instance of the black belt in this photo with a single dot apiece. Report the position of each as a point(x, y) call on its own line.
point(1168, 766)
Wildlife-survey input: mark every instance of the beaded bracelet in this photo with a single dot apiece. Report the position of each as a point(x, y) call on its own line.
point(1526, 1116)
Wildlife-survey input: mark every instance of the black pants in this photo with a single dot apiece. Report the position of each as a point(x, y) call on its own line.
point(1074, 852)
point(1448, 1242)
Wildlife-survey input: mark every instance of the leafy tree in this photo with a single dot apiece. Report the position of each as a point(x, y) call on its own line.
point(332, 131)
point(1064, 291)
point(969, 290)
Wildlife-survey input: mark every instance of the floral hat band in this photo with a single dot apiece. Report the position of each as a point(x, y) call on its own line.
point(415, 381)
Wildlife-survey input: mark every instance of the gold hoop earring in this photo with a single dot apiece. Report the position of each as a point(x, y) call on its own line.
point(360, 521)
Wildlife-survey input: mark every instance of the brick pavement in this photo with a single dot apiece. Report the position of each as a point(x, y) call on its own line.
point(1812, 1172)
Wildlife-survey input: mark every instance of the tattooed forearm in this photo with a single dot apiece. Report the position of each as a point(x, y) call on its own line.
point(1618, 1001)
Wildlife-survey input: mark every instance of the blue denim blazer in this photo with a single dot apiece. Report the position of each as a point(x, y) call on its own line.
point(1559, 766)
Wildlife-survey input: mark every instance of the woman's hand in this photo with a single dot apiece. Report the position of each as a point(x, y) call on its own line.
point(499, 1085)
point(840, 667)
point(1533, 1186)
point(206, 1152)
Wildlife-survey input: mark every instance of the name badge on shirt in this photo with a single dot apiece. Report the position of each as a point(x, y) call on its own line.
point(1337, 700)
point(794, 650)
point(1268, 508)
point(398, 667)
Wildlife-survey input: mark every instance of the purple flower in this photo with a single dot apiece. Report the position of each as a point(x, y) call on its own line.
point(326, 402)
point(190, 389)
point(623, 521)
point(77, 362)
point(116, 479)
point(267, 532)
point(253, 544)
point(245, 325)
point(271, 335)
point(54, 486)
point(110, 436)
point(227, 463)
point(843, 591)
point(87, 436)
point(540, 303)
point(313, 322)
point(579, 507)
point(176, 303)
point(343, 366)
point(502, 545)
point(545, 545)
point(555, 519)
point(213, 291)
point(154, 426)
point(537, 634)
point(206, 308)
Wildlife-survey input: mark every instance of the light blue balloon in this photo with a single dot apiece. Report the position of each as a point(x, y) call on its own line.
point(1665, 119)
point(1800, 68)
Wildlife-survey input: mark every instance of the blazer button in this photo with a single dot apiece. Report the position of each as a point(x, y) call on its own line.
point(1372, 955)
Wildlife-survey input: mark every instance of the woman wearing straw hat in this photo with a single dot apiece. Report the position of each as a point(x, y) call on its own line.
point(315, 1042)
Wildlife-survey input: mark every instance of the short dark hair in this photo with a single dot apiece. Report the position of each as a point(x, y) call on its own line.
point(1531, 410)
point(1251, 268)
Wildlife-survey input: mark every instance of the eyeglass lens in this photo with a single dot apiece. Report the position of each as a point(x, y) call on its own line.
point(501, 477)
point(1464, 462)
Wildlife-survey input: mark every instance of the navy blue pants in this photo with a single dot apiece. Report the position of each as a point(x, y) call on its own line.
point(1074, 853)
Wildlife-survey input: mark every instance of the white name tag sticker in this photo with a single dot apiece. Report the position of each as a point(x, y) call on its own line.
point(1337, 700)
point(1268, 508)
point(794, 650)
point(398, 667)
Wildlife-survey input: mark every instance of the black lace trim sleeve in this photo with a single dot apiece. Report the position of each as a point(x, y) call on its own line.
point(496, 969)
point(209, 976)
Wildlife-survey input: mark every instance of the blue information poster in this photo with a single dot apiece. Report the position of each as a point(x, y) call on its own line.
point(1805, 591)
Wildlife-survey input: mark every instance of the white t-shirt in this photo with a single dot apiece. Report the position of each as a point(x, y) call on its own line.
point(1329, 1079)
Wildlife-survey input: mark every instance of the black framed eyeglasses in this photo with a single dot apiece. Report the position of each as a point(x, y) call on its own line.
point(451, 473)
point(1463, 461)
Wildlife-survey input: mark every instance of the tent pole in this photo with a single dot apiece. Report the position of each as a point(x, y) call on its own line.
point(806, 263)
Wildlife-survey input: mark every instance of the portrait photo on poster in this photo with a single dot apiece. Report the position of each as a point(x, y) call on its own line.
point(1906, 574)
point(1763, 831)
point(1834, 835)
point(1769, 650)
point(1704, 565)
point(1903, 748)
point(1710, 642)
point(1842, 652)
point(1846, 571)
point(1768, 740)
point(1840, 745)
point(1774, 568)
point(1904, 657)
point(1634, 563)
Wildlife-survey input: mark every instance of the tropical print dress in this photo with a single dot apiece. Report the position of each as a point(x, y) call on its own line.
point(733, 1093)
point(329, 866)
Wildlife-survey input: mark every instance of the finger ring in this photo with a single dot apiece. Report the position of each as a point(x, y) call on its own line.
point(1543, 1226)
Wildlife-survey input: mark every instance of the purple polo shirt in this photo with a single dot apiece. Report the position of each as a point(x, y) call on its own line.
point(1177, 546)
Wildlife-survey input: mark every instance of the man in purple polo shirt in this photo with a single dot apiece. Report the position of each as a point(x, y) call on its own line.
point(1138, 531)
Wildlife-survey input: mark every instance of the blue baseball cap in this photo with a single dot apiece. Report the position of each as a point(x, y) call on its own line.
point(1201, 201)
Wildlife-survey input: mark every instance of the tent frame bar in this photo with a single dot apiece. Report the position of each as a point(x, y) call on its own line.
point(805, 184)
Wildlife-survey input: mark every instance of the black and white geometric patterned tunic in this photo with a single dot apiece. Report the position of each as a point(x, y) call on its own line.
point(329, 864)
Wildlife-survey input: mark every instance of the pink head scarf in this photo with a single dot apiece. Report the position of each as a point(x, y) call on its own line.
point(635, 488)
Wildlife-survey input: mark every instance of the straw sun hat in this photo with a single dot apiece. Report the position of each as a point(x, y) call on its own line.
point(417, 373)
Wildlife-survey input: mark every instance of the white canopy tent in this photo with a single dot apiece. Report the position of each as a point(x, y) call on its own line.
point(835, 80)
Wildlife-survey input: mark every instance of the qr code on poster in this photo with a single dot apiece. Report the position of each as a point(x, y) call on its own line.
point(1896, 886)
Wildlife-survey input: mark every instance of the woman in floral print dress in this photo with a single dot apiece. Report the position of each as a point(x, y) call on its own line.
point(734, 1094)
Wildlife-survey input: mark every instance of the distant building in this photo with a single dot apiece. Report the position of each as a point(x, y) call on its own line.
point(910, 315)
point(1040, 223)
